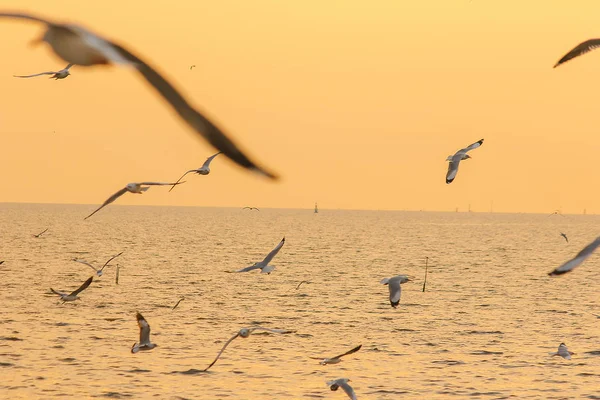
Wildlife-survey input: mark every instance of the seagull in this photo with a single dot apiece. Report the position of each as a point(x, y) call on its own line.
point(298, 287)
point(79, 46)
point(131, 188)
point(336, 359)
point(192, 66)
point(144, 335)
point(579, 50)
point(343, 383)
point(563, 352)
point(395, 289)
point(100, 271)
point(62, 74)
point(565, 236)
point(264, 266)
point(175, 306)
point(203, 170)
point(457, 158)
point(41, 233)
point(578, 259)
point(251, 208)
point(557, 212)
point(244, 333)
point(73, 295)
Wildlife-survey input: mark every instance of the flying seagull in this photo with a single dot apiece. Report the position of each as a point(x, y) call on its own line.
point(62, 74)
point(557, 212)
point(342, 383)
point(563, 352)
point(203, 170)
point(100, 271)
point(73, 295)
point(579, 50)
point(78, 46)
point(298, 287)
point(336, 359)
point(244, 333)
point(251, 208)
point(264, 266)
point(395, 289)
point(131, 188)
point(175, 306)
point(144, 335)
point(565, 236)
point(192, 66)
point(578, 259)
point(41, 233)
point(457, 158)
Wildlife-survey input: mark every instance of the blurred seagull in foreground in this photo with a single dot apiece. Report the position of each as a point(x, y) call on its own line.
point(565, 236)
point(457, 158)
point(579, 50)
point(73, 295)
point(144, 343)
point(131, 188)
point(62, 74)
point(41, 233)
point(100, 271)
point(263, 265)
point(78, 46)
point(342, 383)
point(578, 259)
point(336, 359)
point(203, 170)
point(175, 306)
point(395, 289)
point(244, 333)
point(563, 352)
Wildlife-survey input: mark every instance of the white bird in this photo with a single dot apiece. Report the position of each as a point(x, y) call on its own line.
point(100, 271)
point(144, 343)
point(73, 295)
point(244, 333)
point(563, 352)
point(565, 236)
point(41, 233)
point(578, 259)
point(78, 46)
point(131, 188)
point(203, 170)
point(579, 50)
point(62, 74)
point(342, 383)
point(395, 289)
point(336, 359)
point(457, 158)
point(263, 265)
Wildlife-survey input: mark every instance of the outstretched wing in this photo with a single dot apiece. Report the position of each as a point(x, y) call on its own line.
point(26, 16)
point(109, 200)
point(144, 329)
point(83, 287)
point(578, 259)
point(209, 159)
point(273, 252)
point(250, 268)
point(452, 169)
point(222, 350)
point(471, 146)
point(31, 76)
point(579, 50)
point(348, 389)
point(109, 260)
point(57, 292)
point(68, 67)
point(354, 350)
point(177, 183)
point(85, 263)
point(260, 328)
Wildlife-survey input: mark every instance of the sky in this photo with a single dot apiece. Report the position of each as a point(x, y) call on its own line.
point(355, 104)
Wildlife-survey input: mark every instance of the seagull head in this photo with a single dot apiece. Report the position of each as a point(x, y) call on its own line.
point(244, 332)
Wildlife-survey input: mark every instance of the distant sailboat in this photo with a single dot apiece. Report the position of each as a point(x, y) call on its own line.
point(316, 209)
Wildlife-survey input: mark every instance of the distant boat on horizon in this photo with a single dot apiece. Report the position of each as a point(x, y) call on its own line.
point(316, 209)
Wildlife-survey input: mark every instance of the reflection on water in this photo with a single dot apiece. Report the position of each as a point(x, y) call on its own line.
point(483, 329)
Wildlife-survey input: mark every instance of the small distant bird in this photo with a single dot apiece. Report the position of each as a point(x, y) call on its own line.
point(298, 287)
point(579, 50)
point(41, 233)
point(203, 170)
point(557, 212)
point(192, 66)
point(175, 306)
point(100, 271)
point(144, 335)
point(131, 188)
point(565, 236)
point(563, 352)
point(62, 74)
point(78, 46)
point(578, 259)
point(73, 295)
point(342, 383)
point(264, 266)
point(336, 359)
point(244, 333)
point(395, 289)
point(457, 158)
point(251, 208)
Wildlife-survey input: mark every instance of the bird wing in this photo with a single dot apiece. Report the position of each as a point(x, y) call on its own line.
point(471, 147)
point(249, 208)
point(453, 169)
point(260, 328)
point(175, 306)
point(273, 252)
point(354, 350)
point(26, 16)
point(158, 183)
point(109, 260)
point(84, 262)
point(222, 350)
point(395, 290)
point(579, 50)
point(57, 292)
point(83, 287)
point(348, 389)
point(578, 259)
point(177, 183)
point(31, 76)
point(297, 287)
point(109, 200)
point(144, 329)
point(41, 233)
point(68, 67)
point(250, 268)
point(209, 159)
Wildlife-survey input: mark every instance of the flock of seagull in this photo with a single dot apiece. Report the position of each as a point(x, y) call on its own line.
point(79, 47)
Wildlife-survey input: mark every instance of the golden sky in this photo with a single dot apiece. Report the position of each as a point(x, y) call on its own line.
point(355, 104)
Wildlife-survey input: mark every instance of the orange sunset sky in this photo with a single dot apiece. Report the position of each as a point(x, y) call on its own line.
point(356, 104)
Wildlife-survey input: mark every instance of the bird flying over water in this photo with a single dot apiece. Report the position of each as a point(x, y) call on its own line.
point(62, 74)
point(298, 287)
point(100, 271)
point(263, 265)
point(144, 343)
point(395, 289)
point(251, 208)
point(175, 306)
point(41, 233)
point(131, 188)
point(342, 383)
point(73, 295)
point(579, 50)
point(563, 352)
point(578, 259)
point(457, 158)
point(192, 66)
point(79, 46)
point(336, 359)
point(203, 170)
point(565, 236)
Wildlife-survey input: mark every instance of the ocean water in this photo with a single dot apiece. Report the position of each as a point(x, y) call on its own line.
point(482, 329)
